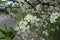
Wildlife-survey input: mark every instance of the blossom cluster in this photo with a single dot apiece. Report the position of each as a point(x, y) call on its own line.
point(31, 18)
point(25, 23)
point(54, 16)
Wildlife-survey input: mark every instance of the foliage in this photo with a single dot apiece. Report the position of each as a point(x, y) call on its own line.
point(7, 33)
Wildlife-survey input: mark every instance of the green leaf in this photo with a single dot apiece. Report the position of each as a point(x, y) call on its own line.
point(2, 36)
point(5, 27)
point(2, 31)
point(10, 31)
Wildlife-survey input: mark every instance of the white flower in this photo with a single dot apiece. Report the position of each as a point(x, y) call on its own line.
point(52, 20)
point(25, 22)
point(28, 27)
point(41, 38)
point(53, 17)
point(20, 23)
point(28, 17)
point(53, 30)
point(4, 0)
point(31, 18)
point(23, 25)
point(34, 19)
point(38, 7)
point(46, 33)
